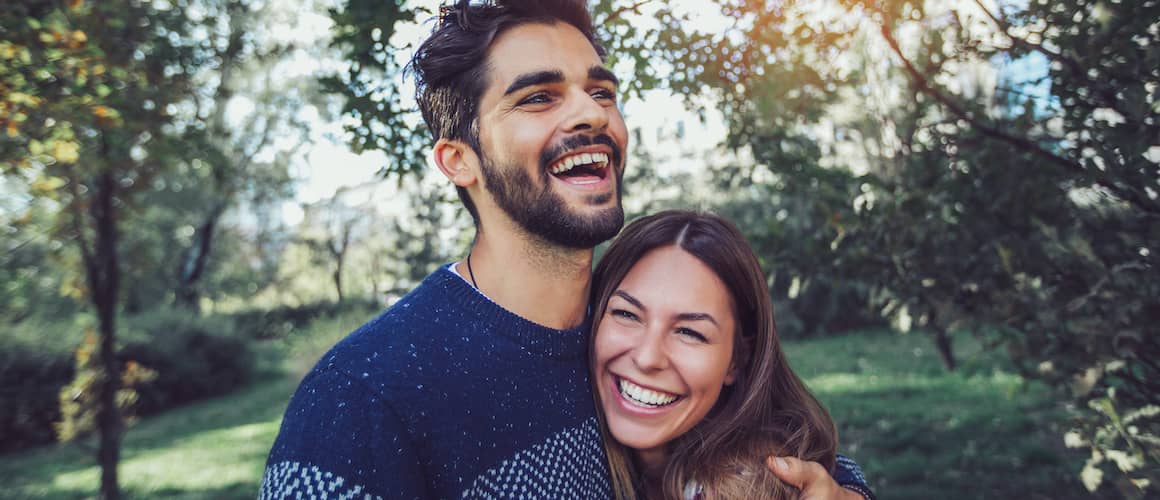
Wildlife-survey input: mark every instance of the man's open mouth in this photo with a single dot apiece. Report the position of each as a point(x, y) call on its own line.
point(641, 396)
point(581, 168)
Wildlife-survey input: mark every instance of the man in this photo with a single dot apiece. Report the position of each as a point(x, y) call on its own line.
point(475, 384)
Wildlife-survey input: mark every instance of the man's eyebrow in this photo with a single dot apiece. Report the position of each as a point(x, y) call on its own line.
point(602, 73)
point(536, 78)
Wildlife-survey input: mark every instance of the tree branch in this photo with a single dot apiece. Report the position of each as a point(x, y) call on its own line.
point(78, 215)
point(1022, 143)
point(1107, 96)
point(623, 10)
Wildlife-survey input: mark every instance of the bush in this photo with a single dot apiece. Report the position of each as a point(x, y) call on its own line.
point(194, 358)
point(35, 363)
point(278, 322)
point(29, 384)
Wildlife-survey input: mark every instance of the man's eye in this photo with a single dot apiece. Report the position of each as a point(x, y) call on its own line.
point(604, 94)
point(537, 98)
point(621, 313)
point(692, 334)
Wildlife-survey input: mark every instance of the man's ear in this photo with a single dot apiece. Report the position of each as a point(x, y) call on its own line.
point(457, 161)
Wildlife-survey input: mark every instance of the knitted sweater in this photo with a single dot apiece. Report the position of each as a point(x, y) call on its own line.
point(444, 395)
point(448, 395)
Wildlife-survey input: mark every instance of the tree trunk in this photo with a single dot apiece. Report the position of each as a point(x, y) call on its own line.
point(195, 259)
point(104, 279)
point(338, 280)
point(945, 347)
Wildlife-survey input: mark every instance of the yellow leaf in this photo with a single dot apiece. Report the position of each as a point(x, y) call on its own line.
point(47, 184)
point(79, 37)
point(104, 112)
point(66, 151)
point(12, 130)
point(25, 99)
point(75, 4)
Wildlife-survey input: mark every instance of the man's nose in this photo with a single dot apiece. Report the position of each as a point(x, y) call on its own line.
point(585, 113)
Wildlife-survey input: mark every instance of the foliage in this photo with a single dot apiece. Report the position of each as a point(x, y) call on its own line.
point(82, 111)
point(168, 357)
point(32, 372)
point(1055, 187)
point(78, 400)
point(280, 322)
point(194, 357)
point(369, 86)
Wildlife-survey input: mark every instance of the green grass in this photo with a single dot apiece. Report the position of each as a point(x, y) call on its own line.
point(214, 449)
point(918, 431)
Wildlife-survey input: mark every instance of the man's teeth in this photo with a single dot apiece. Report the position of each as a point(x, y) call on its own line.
point(645, 397)
point(598, 160)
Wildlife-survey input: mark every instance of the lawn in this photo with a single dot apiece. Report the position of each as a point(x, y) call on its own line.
point(919, 432)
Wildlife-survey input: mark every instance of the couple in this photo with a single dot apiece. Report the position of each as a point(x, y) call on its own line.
point(480, 382)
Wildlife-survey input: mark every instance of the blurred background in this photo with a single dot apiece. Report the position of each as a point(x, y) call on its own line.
point(956, 203)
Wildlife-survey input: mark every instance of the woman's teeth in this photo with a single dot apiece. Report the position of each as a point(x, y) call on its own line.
point(645, 397)
point(596, 160)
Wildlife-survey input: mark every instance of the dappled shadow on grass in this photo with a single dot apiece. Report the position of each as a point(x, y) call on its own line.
point(202, 450)
point(921, 432)
point(237, 491)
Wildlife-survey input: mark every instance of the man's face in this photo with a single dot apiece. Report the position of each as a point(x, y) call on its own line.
point(552, 138)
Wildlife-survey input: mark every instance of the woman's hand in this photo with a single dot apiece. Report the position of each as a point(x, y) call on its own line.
point(810, 477)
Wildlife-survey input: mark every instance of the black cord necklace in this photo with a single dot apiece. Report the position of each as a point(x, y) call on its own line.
point(471, 273)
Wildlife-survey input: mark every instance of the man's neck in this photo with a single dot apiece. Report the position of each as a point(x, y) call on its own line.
point(542, 283)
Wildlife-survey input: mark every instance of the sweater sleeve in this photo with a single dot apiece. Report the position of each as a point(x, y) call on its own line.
point(340, 440)
point(848, 475)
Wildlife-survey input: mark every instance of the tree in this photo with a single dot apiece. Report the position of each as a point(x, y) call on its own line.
point(1067, 267)
point(82, 110)
point(245, 155)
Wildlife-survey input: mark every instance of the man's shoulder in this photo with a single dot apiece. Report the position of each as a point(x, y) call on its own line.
point(395, 344)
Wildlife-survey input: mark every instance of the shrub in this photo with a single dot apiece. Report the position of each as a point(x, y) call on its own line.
point(35, 362)
point(194, 357)
point(278, 322)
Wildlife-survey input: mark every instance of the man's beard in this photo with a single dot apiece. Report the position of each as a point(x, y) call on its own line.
point(543, 212)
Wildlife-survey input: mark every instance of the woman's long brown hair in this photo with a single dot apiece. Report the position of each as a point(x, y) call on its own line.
point(766, 411)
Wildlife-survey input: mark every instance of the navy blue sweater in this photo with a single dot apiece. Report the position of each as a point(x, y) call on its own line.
point(448, 395)
point(444, 395)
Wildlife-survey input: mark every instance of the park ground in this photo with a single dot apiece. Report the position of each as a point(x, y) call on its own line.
point(918, 431)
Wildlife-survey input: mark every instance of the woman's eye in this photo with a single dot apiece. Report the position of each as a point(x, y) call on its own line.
point(621, 313)
point(692, 334)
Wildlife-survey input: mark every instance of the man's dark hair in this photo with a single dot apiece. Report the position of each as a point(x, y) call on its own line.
point(450, 67)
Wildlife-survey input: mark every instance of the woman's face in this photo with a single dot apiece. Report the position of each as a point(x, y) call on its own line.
point(663, 349)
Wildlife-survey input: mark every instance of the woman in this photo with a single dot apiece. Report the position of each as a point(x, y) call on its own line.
point(694, 390)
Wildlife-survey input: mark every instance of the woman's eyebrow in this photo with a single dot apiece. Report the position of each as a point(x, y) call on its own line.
point(689, 316)
point(698, 317)
point(631, 300)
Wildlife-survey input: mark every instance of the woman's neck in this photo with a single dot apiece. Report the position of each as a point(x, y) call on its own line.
point(651, 464)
